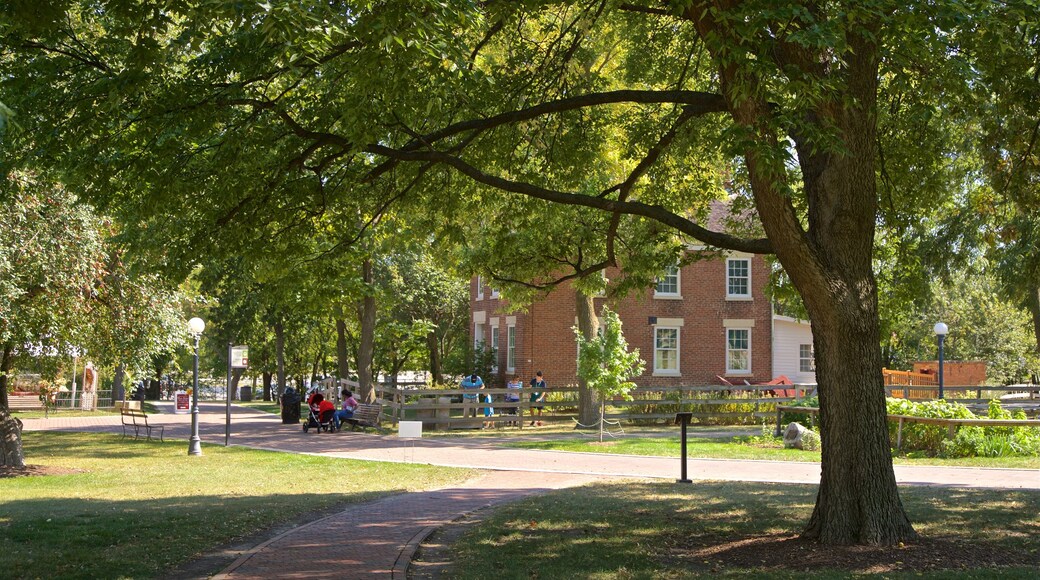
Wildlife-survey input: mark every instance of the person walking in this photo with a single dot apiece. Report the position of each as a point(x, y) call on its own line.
point(537, 397)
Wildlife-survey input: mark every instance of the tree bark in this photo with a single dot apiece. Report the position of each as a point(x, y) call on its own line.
point(5, 371)
point(11, 453)
point(267, 385)
point(118, 390)
point(433, 344)
point(279, 349)
point(1034, 308)
point(366, 347)
point(588, 325)
point(342, 367)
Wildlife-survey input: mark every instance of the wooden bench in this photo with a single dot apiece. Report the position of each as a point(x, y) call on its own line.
point(138, 420)
point(366, 415)
point(24, 402)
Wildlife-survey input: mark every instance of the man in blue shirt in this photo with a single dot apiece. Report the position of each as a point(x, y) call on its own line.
point(474, 383)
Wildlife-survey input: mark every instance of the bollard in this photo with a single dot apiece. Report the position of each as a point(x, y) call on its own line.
point(684, 420)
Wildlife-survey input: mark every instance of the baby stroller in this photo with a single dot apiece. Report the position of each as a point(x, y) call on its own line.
point(321, 414)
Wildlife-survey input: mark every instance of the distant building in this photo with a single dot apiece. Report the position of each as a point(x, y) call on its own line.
point(708, 320)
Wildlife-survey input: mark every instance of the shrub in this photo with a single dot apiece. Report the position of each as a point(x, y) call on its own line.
point(919, 436)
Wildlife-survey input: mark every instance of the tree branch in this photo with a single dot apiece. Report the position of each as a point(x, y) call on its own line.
point(654, 212)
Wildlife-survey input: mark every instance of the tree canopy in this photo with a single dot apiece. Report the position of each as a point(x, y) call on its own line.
point(198, 120)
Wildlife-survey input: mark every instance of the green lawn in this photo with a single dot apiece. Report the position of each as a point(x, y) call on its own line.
point(138, 508)
point(265, 406)
point(743, 448)
point(632, 530)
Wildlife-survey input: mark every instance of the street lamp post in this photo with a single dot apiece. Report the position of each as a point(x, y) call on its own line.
point(195, 444)
point(941, 330)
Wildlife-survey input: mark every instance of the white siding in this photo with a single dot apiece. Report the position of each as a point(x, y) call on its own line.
point(788, 334)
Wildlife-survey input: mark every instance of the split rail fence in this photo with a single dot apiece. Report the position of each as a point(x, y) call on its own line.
point(709, 405)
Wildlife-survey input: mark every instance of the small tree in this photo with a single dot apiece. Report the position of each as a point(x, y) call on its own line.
point(606, 363)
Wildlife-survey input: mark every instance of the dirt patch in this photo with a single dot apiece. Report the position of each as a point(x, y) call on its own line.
point(36, 470)
point(602, 443)
point(783, 552)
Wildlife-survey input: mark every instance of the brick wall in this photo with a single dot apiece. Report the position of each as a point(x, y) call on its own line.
point(546, 342)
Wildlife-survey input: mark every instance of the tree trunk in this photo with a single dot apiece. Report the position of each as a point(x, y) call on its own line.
point(857, 502)
point(118, 390)
point(267, 385)
point(236, 378)
point(588, 326)
point(366, 347)
point(1034, 308)
point(434, 346)
point(279, 349)
point(342, 367)
point(5, 371)
point(314, 367)
point(11, 453)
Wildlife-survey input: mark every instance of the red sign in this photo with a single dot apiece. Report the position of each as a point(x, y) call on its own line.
point(183, 401)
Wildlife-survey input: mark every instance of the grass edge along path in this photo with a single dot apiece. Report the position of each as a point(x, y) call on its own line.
point(755, 448)
point(636, 529)
point(123, 508)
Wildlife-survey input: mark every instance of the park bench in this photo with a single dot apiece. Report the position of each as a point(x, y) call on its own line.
point(137, 420)
point(24, 402)
point(366, 415)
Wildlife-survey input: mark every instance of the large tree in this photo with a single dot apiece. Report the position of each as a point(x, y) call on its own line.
point(426, 104)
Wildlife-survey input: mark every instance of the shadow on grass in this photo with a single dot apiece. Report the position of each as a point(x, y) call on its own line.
point(640, 529)
point(87, 538)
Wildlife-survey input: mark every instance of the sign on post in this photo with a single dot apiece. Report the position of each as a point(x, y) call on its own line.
point(182, 402)
point(239, 357)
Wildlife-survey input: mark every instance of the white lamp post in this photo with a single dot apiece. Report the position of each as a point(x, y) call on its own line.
point(195, 444)
point(941, 331)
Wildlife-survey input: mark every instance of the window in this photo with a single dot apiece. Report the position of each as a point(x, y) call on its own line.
point(494, 292)
point(510, 348)
point(494, 347)
point(478, 335)
point(480, 287)
point(666, 350)
point(738, 278)
point(738, 350)
point(806, 361)
point(668, 283)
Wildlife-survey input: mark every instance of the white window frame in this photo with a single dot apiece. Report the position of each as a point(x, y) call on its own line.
point(678, 284)
point(494, 292)
point(511, 348)
point(480, 287)
point(806, 364)
point(494, 346)
point(478, 335)
point(730, 279)
point(730, 370)
point(658, 371)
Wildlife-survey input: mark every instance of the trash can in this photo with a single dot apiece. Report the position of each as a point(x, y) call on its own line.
point(290, 406)
point(245, 394)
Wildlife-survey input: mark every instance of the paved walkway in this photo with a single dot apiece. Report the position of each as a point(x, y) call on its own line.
point(376, 540)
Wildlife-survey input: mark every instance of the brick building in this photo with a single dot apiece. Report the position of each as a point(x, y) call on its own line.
point(707, 320)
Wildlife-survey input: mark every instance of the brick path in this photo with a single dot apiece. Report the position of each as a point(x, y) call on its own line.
point(376, 540)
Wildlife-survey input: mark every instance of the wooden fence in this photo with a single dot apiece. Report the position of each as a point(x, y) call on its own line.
point(710, 405)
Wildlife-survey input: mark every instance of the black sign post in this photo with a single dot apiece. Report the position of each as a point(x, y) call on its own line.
point(684, 420)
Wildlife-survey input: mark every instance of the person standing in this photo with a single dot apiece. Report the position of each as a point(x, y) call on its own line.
point(537, 397)
point(474, 383)
point(513, 398)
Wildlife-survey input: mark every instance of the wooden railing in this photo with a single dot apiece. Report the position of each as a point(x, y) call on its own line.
point(711, 404)
point(950, 424)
